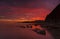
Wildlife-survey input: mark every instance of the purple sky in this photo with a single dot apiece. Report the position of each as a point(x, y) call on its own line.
point(26, 9)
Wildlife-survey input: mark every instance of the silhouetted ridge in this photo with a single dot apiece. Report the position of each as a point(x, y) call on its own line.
point(54, 16)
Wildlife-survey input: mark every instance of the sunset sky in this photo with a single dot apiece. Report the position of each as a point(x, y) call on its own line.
point(26, 9)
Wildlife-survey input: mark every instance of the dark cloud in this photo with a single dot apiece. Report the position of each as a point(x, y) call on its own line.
point(30, 3)
point(21, 3)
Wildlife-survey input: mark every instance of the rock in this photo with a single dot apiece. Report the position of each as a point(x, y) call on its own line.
point(38, 31)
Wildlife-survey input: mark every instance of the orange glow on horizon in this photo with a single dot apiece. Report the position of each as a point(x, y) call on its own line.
point(15, 20)
point(37, 18)
point(22, 19)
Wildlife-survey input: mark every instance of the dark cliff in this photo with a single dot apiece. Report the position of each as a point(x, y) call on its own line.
point(54, 16)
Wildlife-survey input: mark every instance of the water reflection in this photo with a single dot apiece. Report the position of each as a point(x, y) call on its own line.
point(22, 31)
